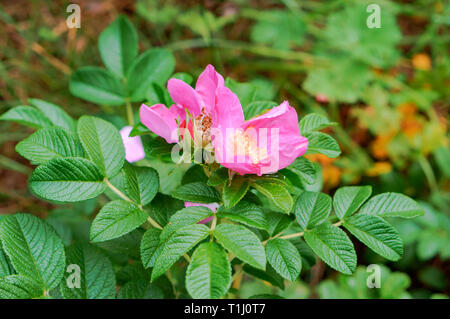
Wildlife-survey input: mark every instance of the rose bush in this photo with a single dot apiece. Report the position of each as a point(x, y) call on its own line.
point(256, 209)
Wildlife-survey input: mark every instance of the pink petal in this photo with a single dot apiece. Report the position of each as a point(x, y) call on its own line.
point(227, 112)
point(161, 121)
point(212, 206)
point(290, 143)
point(185, 96)
point(207, 84)
point(226, 116)
point(134, 151)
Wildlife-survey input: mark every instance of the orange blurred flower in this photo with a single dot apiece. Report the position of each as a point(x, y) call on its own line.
point(379, 146)
point(379, 168)
point(421, 61)
point(331, 174)
point(410, 125)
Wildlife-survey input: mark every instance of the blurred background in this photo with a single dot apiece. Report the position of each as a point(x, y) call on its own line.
point(388, 88)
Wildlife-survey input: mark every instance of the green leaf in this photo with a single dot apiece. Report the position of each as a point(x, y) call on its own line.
point(115, 219)
point(148, 181)
point(118, 45)
point(186, 216)
point(265, 296)
point(284, 258)
point(154, 65)
point(442, 157)
point(304, 169)
point(164, 206)
point(124, 247)
point(141, 183)
point(47, 143)
point(103, 144)
point(6, 268)
point(256, 108)
point(97, 85)
point(208, 275)
point(376, 47)
point(19, 287)
point(183, 240)
point(243, 243)
point(234, 192)
point(333, 246)
point(377, 234)
point(183, 76)
point(277, 222)
point(55, 114)
point(336, 80)
point(392, 205)
point(157, 147)
point(139, 129)
point(149, 247)
point(322, 143)
point(190, 215)
point(276, 193)
point(34, 248)
point(197, 193)
point(97, 280)
point(394, 285)
point(67, 180)
point(246, 213)
point(139, 289)
point(312, 209)
point(28, 116)
point(195, 173)
point(430, 242)
point(269, 275)
point(218, 177)
point(308, 256)
point(314, 122)
point(349, 199)
point(281, 29)
point(246, 92)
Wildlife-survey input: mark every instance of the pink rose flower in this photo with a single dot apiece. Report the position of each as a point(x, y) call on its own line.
point(212, 206)
point(134, 151)
point(262, 145)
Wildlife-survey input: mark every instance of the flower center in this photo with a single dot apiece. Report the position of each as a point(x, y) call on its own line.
point(245, 144)
point(203, 124)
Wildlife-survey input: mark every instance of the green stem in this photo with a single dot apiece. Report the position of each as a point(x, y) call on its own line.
point(214, 222)
point(294, 235)
point(126, 198)
point(130, 115)
point(429, 174)
point(243, 46)
point(153, 223)
point(117, 191)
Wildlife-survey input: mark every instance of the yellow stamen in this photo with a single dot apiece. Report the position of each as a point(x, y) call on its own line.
point(245, 144)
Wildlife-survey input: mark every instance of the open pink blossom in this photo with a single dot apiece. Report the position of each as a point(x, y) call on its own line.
point(134, 151)
point(262, 145)
point(212, 206)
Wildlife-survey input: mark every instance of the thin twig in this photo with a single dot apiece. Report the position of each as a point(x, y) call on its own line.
point(126, 198)
point(294, 235)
